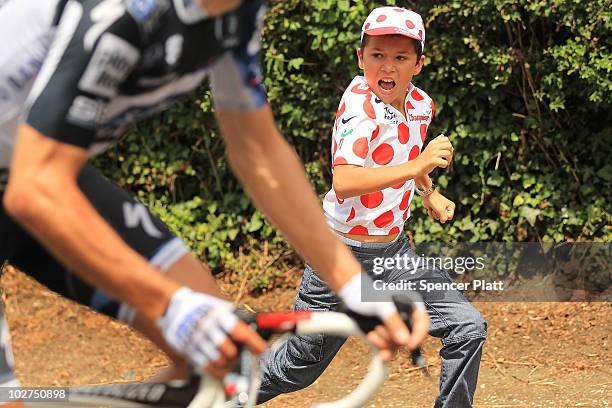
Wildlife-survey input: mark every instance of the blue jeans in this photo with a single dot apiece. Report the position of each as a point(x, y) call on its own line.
point(299, 361)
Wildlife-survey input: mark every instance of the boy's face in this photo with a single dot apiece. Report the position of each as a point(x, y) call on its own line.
point(389, 62)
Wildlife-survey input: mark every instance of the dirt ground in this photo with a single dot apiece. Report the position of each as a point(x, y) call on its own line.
point(536, 355)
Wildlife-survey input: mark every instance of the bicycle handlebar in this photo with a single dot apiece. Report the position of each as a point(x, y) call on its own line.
point(242, 385)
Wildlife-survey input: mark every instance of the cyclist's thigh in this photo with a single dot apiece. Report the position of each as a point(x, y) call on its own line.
point(141, 230)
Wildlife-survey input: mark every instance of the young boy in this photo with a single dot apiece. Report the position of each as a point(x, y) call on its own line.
point(378, 165)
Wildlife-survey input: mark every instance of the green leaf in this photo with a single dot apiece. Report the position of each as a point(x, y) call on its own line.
point(518, 200)
point(528, 181)
point(605, 172)
point(255, 224)
point(495, 180)
point(530, 214)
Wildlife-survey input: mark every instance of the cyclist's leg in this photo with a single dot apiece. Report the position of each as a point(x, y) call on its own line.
point(297, 362)
point(150, 237)
point(144, 232)
point(458, 324)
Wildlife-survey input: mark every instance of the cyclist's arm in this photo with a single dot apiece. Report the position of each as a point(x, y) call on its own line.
point(273, 175)
point(73, 87)
point(43, 195)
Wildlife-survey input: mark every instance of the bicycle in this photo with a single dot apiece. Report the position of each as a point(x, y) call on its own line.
point(239, 388)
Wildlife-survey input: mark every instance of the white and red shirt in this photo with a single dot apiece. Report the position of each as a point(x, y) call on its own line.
point(369, 133)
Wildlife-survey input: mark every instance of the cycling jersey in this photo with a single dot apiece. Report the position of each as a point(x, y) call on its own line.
point(369, 133)
point(113, 62)
point(26, 30)
point(80, 72)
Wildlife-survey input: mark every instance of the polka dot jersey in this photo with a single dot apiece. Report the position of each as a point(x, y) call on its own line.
point(369, 133)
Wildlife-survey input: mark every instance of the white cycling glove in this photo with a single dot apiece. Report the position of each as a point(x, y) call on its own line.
point(195, 324)
point(350, 294)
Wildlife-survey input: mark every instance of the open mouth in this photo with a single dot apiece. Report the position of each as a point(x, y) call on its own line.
point(386, 84)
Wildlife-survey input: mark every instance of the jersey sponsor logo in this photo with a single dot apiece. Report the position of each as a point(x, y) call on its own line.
point(136, 214)
point(390, 116)
point(85, 111)
point(345, 133)
point(345, 121)
point(147, 13)
point(24, 73)
point(17, 78)
point(102, 17)
point(110, 64)
point(174, 49)
point(418, 118)
point(142, 10)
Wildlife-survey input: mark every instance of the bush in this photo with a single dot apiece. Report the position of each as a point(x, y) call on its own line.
point(522, 88)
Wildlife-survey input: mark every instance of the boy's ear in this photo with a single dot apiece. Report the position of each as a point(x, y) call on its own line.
point(419, 65)
point(360, 58)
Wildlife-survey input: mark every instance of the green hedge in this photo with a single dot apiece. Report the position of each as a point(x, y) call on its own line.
point(522, 89)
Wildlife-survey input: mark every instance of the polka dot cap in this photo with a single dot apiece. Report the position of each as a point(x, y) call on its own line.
point(395, 20)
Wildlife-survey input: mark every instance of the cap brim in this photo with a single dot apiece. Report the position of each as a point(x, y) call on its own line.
point(391, 30)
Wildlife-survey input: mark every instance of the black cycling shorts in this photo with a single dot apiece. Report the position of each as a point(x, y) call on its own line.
point(140, 229)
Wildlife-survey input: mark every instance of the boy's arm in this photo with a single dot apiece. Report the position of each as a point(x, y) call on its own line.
point(438, 206)
point(423, 182)
point(351, 180)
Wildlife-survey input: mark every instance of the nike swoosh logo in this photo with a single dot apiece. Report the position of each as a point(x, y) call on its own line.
point(345, 121)
point(346, 133)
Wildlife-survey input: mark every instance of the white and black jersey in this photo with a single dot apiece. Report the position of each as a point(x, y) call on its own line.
point(80, 71)
point(97, 66)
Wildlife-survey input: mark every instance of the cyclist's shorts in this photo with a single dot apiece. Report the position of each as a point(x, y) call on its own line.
point(140, 229)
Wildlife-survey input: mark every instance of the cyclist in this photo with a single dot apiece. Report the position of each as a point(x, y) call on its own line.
point(72, 82)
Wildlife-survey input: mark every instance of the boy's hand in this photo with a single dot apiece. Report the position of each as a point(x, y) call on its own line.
point(438, 153)
point(439, 207)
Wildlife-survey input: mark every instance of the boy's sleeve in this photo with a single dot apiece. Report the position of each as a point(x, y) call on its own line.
point(352, 139)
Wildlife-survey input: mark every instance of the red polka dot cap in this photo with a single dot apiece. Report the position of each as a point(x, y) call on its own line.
point(395, 20)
